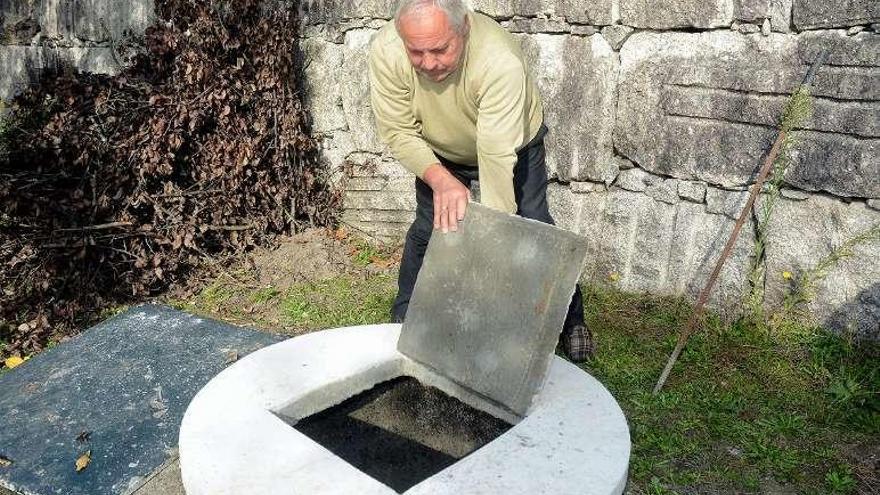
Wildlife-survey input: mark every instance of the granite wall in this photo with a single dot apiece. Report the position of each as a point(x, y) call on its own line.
point(88, 35)
point(660, 113)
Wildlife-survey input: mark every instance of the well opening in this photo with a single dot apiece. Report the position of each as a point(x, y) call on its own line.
point(402, 432)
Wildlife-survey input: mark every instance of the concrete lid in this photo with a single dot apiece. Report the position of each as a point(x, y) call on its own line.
point(490, 302)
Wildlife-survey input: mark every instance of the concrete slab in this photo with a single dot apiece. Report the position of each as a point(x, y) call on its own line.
point(490, 302)
point(127, 381)
point(575, 439)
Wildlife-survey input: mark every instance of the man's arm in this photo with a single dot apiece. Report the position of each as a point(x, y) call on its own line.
point(502, 125)
point(397, 126)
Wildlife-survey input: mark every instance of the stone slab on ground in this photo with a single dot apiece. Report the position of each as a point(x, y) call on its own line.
point(127, 381)
point(490, 302)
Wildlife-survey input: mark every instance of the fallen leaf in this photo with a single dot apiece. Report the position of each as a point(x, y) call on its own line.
point(83, 436)
point(231, 357)
point(12, 362)
point(83, 461)
point(5, 461)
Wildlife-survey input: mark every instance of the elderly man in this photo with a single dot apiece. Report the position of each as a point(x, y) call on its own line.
point(454, 101)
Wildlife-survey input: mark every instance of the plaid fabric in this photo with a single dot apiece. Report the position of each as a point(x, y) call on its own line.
point(578, 343)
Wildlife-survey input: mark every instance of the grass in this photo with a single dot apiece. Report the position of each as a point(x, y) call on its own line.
point(744, 407)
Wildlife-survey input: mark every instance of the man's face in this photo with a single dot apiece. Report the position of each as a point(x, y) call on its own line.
point(433, 46)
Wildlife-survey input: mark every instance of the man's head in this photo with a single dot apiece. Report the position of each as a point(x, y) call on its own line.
point(435, 35)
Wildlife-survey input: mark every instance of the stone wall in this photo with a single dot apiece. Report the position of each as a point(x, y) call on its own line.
point(88, 35)
point(660, 113)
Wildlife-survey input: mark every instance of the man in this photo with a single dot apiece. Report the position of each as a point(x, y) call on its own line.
point(454, 101)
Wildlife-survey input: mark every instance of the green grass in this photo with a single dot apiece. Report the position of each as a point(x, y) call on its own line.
point(338, 302)
point(742, 405)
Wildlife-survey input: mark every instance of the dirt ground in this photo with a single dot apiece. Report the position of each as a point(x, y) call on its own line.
point(264, 287)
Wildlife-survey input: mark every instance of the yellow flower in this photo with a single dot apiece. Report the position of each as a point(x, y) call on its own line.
point(614, 276)
point(786, 275)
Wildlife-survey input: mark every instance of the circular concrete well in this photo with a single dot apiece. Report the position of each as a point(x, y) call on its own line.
point(343, 412)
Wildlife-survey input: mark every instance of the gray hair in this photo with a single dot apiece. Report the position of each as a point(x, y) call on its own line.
point(455, 10)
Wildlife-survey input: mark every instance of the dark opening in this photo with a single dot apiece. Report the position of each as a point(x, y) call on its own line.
point(402, 432)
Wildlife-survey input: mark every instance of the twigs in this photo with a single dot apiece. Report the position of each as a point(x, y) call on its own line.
point(126, 182)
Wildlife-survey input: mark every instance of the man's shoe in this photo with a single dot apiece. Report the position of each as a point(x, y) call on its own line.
point(578, 343)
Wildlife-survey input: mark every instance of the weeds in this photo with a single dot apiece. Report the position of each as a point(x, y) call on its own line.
point(798, 110)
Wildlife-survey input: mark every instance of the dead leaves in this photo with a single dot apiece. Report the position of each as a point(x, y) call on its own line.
point(204, 134)
point(5, 461)
point(83, 460)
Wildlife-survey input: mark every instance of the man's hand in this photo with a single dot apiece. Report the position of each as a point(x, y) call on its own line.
point(450, 197)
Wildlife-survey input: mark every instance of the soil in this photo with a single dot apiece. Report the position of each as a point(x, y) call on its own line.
point(402, 432)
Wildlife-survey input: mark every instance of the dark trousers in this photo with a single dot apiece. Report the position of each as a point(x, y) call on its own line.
point(530, 191)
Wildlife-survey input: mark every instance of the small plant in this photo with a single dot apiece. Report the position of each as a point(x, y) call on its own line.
point(798, 110)
point(840, 480)
point(806, 285)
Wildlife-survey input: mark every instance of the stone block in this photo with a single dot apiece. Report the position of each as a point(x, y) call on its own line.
point(373, 200)
point(777, 11)
point(335, 11)
point(801, 235)
point(489, 304)
point(692, 191)
point(616, 34)
point(536, 25)
point(596, 12)
point(577, 80)
point(794, 194)
point(665, 191)
point(705, 106)
point(21, 66)
point(809, 14)
point(668, 14)
point(355, 91)
point(724, 202)
point(323, 85)
point(19, 21)
point(586, 187)
point(636, 180)
point(647, 245)
point(581, 30)
point(127, 381)
point(106, 20)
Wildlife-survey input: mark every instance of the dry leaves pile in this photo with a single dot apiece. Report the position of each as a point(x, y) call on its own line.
point(112, 188)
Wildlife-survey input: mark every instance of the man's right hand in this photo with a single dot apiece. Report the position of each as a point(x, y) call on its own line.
point(450, 197)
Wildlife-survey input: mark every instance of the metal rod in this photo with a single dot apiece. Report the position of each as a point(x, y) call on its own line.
point(691, 325)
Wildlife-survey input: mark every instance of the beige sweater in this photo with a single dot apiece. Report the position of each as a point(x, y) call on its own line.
point(480, 115)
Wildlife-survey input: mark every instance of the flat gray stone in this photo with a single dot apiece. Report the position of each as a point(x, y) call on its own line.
point(811, 14)
point(645, 245)
point(685, 110)
point(692, 191)
point(777, 11)
point(576, 76)
point(127, 381)
point(596, 12)
point(490, 302)
point(666, 14)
